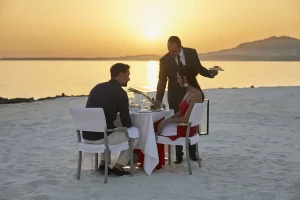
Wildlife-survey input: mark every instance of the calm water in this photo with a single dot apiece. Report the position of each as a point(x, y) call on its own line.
point(49, 78)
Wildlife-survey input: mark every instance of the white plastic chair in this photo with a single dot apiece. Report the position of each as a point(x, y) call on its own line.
point(194, 120)
point(93, 119)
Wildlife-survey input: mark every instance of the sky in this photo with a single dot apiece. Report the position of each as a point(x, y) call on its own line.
point(108, 28)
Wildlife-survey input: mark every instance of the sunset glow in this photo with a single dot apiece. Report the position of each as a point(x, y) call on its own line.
point(35, 28)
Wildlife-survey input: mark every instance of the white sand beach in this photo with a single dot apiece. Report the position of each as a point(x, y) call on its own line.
point(251, 153)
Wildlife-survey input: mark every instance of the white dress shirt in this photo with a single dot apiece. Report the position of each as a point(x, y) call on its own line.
point(182, 57)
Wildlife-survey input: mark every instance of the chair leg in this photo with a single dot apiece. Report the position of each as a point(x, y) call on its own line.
point(188, 159)
point(169, 154)
point(106, 165)
point(79, 164)
point(131, 157)
point(198, 157)
point(96, 162)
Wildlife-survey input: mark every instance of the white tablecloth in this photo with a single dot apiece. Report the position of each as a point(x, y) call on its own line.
point(147, 140)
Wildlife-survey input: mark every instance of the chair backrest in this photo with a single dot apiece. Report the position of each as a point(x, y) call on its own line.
point(88, 119)
point(196, 115)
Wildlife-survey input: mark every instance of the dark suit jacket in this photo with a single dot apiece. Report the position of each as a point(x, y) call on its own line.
point(168, 72)
point(113, 99)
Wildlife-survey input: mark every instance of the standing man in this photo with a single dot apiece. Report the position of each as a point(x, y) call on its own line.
point(177, 57)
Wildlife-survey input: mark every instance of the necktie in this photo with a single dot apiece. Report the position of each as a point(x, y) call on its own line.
point(179, 61)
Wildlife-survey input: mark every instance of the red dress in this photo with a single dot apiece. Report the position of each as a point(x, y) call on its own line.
point(181, 132)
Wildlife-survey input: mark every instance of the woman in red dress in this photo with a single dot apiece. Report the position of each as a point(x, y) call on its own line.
point(186, 77)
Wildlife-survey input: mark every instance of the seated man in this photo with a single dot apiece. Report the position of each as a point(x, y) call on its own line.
point(113, 99)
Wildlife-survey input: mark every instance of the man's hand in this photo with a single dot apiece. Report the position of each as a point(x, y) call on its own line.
point(213, 73)
point(157, 104)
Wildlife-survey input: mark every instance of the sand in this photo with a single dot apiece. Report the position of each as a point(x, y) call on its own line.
point(251, 153)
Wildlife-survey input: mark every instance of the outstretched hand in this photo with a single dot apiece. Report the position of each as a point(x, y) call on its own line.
point(213, 73)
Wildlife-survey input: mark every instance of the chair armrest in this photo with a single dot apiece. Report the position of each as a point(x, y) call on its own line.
point(116, 129)
point(179, 124)
point(119, 129)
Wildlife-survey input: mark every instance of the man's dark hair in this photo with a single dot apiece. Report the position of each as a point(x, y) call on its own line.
point(118, 68)
point(175, 39)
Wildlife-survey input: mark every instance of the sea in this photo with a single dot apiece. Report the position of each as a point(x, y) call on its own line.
point(43, 78)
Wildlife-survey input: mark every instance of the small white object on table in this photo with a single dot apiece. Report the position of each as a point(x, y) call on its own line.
point(216, 68)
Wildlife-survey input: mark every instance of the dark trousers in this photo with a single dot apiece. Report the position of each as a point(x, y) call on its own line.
point(179, 149)
point(179, 153)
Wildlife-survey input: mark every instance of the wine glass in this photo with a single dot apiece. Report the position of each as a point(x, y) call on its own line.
point(131, 98)
point(143, 101)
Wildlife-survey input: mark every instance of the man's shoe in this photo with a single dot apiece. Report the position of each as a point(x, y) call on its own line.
point(193, 157)
point(102, 169)
point(119, 172)
point(178, 160)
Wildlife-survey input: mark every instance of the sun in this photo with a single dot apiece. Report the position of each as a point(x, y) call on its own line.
point(152, 32)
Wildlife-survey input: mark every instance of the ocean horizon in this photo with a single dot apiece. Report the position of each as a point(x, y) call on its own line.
point(41, 78)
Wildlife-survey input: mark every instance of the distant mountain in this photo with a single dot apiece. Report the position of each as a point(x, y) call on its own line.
point(271, 49)
point(282, 48)
point(141, 57)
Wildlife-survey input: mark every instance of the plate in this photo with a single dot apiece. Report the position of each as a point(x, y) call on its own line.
point(159, 110)
point(216, 68)
point(145, 111)
point(149, 111)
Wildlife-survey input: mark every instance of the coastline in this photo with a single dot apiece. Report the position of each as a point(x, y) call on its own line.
point(30, 100)
point(16, 100)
